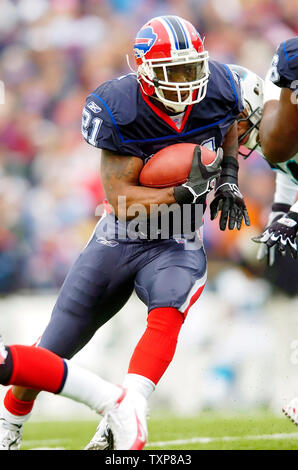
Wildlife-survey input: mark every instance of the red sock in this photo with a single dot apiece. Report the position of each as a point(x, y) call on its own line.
point(15, 406)
point(37, 368)
point(155, 350)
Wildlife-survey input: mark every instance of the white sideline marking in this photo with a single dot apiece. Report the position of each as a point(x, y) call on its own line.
point(193, 440)
point(46, 442)
point(206, 440)
point(48, 448)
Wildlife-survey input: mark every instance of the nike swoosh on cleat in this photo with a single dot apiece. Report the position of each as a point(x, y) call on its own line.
point(140, 441)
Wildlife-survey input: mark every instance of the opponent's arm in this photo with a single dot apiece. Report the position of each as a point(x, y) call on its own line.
point(279, 128)
point(228, 199)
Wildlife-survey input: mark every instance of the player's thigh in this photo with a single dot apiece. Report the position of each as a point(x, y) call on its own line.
point(174, 278)
point(95, 289)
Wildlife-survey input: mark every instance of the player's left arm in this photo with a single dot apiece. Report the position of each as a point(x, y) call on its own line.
point(284, 198)
point(228, 198)
point(279, 128)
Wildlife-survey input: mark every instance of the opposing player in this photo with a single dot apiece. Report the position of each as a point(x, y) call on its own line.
point(176, 95)
point(279, 143)
point(41, 369)
point(279, 101)
point(248, 129)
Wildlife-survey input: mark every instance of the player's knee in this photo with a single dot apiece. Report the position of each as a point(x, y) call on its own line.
point(171, 287)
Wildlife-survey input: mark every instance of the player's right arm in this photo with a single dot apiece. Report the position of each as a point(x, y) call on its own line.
point(120, 177)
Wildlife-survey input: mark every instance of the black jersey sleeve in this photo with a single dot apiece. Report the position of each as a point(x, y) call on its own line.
point(98, 127)
point(284, 66)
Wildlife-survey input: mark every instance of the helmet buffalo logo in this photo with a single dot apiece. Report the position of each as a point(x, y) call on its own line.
point(144, 41)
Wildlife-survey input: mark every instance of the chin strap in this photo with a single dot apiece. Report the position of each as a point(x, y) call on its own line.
point(172, 109)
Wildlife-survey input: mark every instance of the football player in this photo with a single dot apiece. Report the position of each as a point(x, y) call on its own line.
point(280, 109)
point(286, 179)
point(38, 368)
point(176, 95)
point(279, 143)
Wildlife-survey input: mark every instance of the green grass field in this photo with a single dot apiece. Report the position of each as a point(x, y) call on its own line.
point(205, 431)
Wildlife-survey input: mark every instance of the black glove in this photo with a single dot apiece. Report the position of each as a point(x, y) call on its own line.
point(282, 233)
point(228, 199)
point(278, 210)
point(200, 179)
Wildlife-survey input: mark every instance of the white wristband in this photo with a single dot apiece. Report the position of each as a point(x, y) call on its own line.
point(285, 189)
point(294, 208)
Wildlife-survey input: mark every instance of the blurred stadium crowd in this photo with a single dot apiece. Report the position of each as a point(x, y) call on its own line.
point(53, 53)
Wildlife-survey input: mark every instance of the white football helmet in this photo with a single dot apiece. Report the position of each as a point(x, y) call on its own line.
point(253, 94)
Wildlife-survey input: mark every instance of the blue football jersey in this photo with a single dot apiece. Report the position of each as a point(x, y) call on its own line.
point(118, 117)
point(284, 67)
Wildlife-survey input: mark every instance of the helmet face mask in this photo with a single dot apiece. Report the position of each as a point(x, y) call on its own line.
point(250, 136)
point(249, 120)
point(175, 73)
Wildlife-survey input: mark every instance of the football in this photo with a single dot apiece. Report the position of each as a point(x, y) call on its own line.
point(171, 165)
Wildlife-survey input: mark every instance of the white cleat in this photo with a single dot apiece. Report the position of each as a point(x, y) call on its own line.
point(10, 435)
point(291, 411)
point(102, 439)
point(127, 421)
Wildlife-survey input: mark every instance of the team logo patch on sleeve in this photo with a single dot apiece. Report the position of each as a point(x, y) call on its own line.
point(144, 41)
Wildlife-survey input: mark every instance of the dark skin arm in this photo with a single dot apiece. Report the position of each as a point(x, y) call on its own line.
point(279, 128)
point(120, 177)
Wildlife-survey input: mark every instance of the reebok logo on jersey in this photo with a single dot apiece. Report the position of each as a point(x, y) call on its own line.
point(111, 243)
point(94, 107)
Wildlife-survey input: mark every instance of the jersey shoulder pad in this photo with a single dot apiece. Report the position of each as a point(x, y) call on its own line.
point(111, 106)
point(118, 97)
point(284, 66)
point(226, 86)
